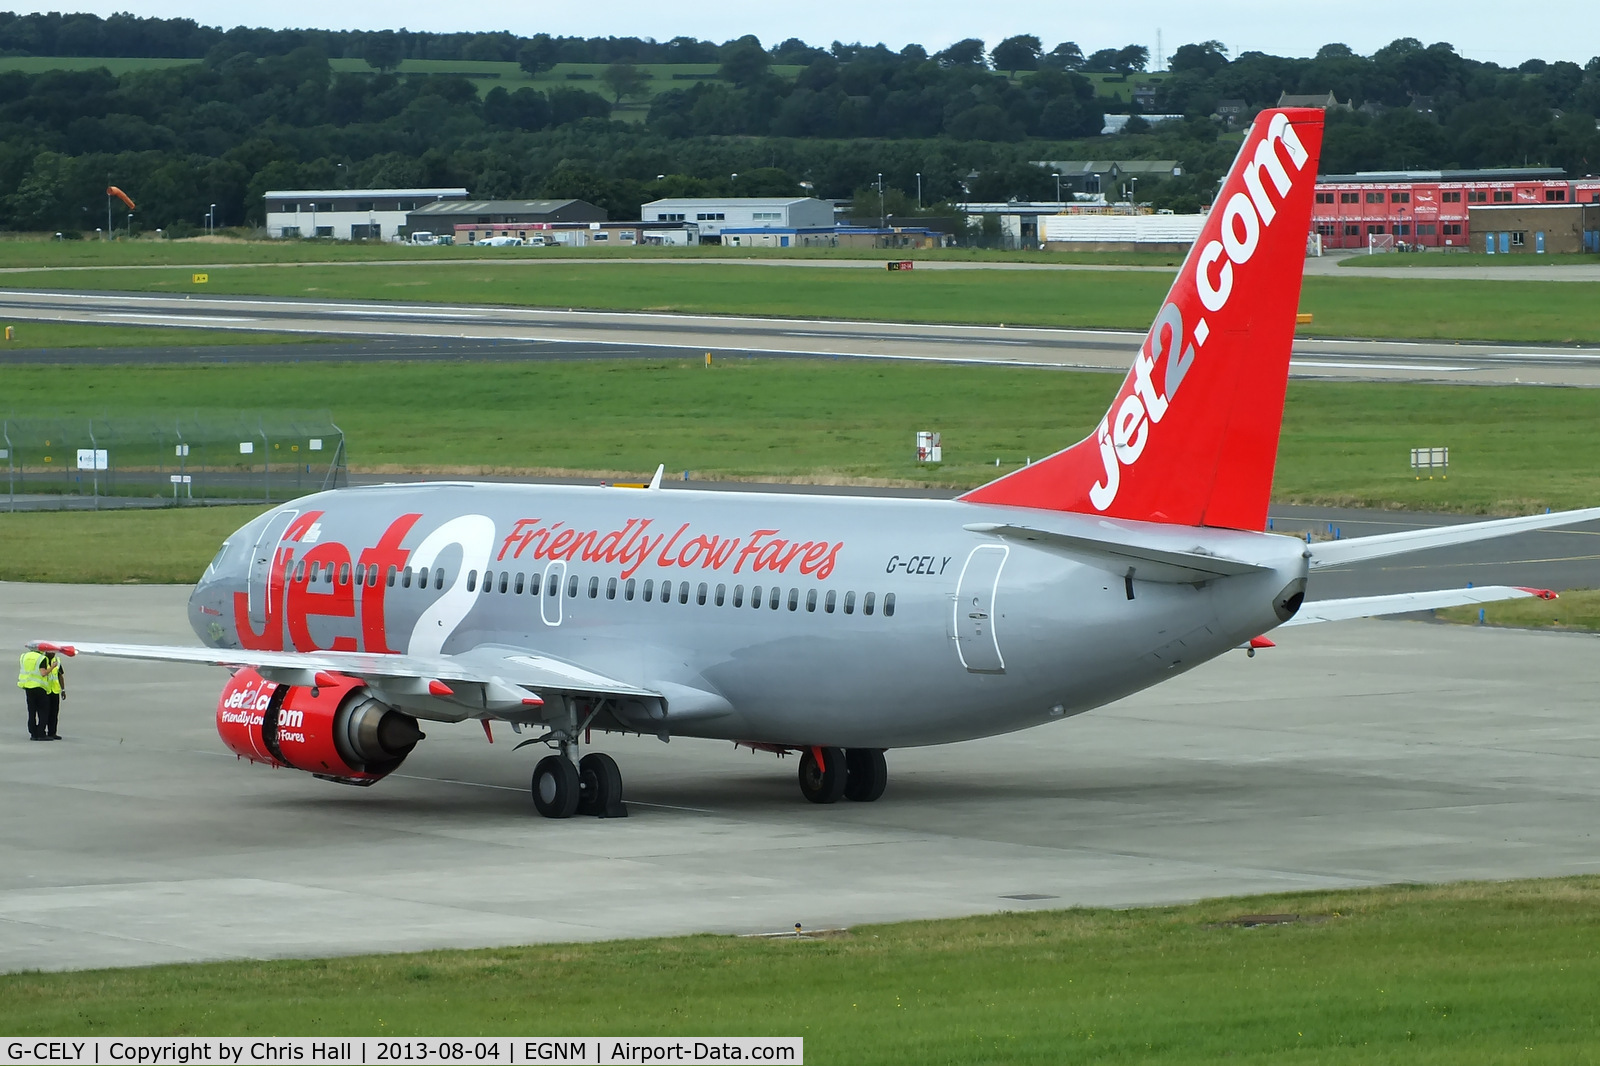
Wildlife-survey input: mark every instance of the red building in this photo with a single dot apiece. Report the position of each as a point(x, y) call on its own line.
point(1429, 208)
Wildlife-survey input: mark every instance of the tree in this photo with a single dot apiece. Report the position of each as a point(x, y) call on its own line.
point(1064, 56)
point(1017, 53)
point(744, 61)
point(538, 55)
point(382, 51)
point(967, 53)
point(1132, 58)
point(625, 80)
point(1205, 58)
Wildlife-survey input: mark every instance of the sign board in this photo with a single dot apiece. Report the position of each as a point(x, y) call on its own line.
point(316, 444)
point(201, 279)
point(930, 447)
point(247, 447)
point(1430, 458)
point(5, 453)
point(92, 459)
point(183, 449)
point(900, 264)
point(180, 479)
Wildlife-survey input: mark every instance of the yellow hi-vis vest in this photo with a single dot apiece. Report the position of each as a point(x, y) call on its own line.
point(34, 673)
point(52, 680)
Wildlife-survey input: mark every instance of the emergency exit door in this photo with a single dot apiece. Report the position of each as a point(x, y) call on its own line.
point(977, 641)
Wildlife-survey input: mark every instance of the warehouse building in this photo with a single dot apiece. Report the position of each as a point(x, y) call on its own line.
point(744, 214)
point(1536, 229)
point(347, 214)
point(1120, 232)
point(445, 216)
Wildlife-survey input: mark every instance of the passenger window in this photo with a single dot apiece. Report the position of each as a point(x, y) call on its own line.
point(666, 592)
point(888, 605)
point(611, 589)
point(683, 592)
point(344, 573)
point(472, 580)
point(554, 588)
point(299, 571)
point(518, 586)
point(505, 581)
point(738, 595)
point(722, 591)
point(828, 603)
point(572, 586)
point(372, 576)
point(849, 603)
point(811, 601)
point(422, 577)
point(358, 574)
point(755, 597)
point(627, 589)
point(594, 588)
point(777, 595)
point(438, 577)
point(794, 599)
point(866, 603)
point(648, 585)
point(327, 574)
point(700, 594)
point(393, 572)
point(488, 581)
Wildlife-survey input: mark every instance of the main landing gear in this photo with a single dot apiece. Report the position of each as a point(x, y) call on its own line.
point(830, 774)
point(592, 786)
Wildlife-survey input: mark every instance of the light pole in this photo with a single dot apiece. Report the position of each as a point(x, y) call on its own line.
point(919, 190)
point(1133, 196)
point(880, 199)
point(211, 221)
point(1058, 188)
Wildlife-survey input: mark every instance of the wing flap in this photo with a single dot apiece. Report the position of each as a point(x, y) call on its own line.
point(1405, 602)
point(1141, 561)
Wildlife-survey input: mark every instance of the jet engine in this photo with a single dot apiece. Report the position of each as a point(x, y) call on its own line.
point(336, 731)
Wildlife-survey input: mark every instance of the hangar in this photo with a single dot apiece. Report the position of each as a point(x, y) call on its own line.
point(1534, 229)
point(444, 216)
point(346, 214)
point(744, 214)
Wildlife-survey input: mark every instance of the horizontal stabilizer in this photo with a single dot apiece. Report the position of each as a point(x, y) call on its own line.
point(1359, 549)
point(1144, 562)
point(1405, 602)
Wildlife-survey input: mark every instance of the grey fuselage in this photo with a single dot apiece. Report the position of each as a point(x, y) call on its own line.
point(969, 634)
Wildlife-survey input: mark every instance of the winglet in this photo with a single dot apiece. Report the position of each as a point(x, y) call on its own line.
point(655, 482)
point(1543, 594)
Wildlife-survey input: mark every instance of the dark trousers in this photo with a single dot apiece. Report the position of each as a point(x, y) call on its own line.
point(52, 713)
point(38, 710)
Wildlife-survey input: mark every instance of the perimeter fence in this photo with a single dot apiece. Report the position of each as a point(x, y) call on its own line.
point(72, 461)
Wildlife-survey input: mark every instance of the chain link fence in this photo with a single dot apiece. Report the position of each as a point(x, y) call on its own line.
point(54, 462)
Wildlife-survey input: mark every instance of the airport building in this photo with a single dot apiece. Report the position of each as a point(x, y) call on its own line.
point(347, 214)
point(1116, 232)
point(444, 216)
point(743, 215)
point(1433, 208)
point(1536, 229)
point(582, 234)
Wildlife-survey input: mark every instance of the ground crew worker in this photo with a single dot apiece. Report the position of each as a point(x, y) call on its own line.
point(56, 686)
point(34, 680)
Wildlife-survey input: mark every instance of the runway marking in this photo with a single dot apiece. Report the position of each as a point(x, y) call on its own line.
point(1376, 366)
point(173, 317)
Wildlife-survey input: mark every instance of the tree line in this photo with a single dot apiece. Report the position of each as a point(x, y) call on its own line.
point(253, 113)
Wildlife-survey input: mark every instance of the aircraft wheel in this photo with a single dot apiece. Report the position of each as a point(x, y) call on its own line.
point(866, 774)
point(600, 786)
point(822, 783)
point(555, 787)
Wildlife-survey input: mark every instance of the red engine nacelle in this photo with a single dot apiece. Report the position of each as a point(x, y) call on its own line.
point(337, 730)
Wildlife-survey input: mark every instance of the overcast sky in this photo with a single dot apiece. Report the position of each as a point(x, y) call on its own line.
point(1565, 31)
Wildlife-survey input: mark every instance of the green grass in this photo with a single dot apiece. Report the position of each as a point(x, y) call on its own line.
point(831, 421)
point(1468, 259)
point(1472, 973)
point(116, 65)
point(29, 336)
point(1344, 306)
point(1576, 609)
point(112, 547)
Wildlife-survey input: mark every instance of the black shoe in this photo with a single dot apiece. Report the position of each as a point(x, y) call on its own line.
point(52, 736)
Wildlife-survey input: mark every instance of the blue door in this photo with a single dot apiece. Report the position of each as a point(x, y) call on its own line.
point(1538, 242)
point(783, 242)
point(1505, 244)
point(1488, 243)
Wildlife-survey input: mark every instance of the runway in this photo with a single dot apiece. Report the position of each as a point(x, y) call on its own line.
point(379, 330)
point(1352, 754)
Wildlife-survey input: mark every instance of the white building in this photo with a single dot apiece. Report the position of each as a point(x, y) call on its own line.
point(1120, 232)
point(713, 215)
point(347, 214)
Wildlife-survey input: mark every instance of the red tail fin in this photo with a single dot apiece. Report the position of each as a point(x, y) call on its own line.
point(1203, 454)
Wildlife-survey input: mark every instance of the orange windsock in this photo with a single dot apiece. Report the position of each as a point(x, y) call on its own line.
point(112, 190)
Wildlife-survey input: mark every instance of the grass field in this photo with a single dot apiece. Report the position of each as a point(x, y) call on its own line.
point(115, 547)
point(35, 335)
point(1467, 259)
point(197, 252)
point(1512, 450)
point(1344, 306)
point(1457, 974)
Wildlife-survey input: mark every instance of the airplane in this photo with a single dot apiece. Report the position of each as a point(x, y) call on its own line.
point(830, 626)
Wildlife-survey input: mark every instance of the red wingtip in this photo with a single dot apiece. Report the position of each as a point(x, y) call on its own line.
point(439, 688)
point(63, 649)
point(1261, 642)
point(1543, 594)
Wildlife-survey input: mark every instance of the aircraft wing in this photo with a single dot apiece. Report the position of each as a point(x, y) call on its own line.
point(501, 682)
point(1143, 561)
point(1401, 603)
point(1359, 549)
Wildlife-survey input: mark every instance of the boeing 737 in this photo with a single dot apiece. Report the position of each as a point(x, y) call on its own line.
point(829, 626)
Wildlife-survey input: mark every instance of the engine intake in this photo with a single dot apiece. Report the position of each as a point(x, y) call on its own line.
point(336, 730)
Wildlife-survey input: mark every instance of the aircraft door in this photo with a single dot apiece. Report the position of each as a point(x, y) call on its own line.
point(977, 643)
point(260, 572)
point(555, 576)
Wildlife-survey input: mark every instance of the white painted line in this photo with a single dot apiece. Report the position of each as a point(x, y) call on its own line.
point(1377, 366)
